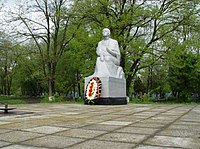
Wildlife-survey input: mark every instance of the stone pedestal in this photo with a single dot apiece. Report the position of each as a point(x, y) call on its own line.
point(113, 91)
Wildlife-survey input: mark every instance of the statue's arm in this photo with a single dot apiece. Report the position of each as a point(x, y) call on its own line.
point(98, 50)
point(99, 53)
point(114, 50)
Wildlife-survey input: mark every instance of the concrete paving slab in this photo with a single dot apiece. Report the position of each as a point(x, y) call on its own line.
point(120, 123)
point(164, 118)
point(53, 141)
point(96, 144)
point(179, 122)
point(153, 147)
point(102, 127)
point(152, 120)
point(18, 126)
point(45, 129)
point(141, 126)
point(70, 124)
point(146, 114)
point(3, 123)
point(3, 143)
point(71, 113)
point(18, 136)
point(81, 133)
point(180, 142)
point(4, 130)
point(148, 124)
point(180, 133)
point(188, 127)
point(129, 119)
point(22, 147)
point(88, 120)
point(137, 130)
point(191, 118)
point(122, 137)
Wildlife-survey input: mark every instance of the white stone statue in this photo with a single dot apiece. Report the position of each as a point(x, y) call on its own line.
point(108, 60)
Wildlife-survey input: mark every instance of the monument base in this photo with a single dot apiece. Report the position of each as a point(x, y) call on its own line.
point(113, 91)
point(110, 101)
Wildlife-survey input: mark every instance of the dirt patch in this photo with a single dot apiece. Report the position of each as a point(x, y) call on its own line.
point(29, 100)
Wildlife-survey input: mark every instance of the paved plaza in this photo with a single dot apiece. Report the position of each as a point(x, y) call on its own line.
point(76, 126)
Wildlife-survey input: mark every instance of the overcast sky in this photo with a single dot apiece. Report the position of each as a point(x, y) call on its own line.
point(11, 6)
point(9, 3)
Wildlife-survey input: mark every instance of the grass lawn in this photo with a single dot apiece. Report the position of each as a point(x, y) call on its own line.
point(14, 101)
point(26, 100)
point(11, 100)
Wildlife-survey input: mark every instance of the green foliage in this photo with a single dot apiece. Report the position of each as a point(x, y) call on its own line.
point(145, 99)
point(139, 86)
point(28, 79)
point(5, 97)
point(7, 63)
point(183, 75)
point(61, 99)
point(171, 100)
point(159, 42)
point(10, 100)
point(14, 101)
point(56, 99)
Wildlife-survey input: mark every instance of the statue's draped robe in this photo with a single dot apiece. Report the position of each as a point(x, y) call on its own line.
point(107, 64)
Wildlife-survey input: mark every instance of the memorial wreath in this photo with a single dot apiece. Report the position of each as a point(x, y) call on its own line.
point(93, 90)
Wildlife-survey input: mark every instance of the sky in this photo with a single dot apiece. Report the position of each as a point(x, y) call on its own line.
point(9, 3)
point(8, 7)
point(13, 6)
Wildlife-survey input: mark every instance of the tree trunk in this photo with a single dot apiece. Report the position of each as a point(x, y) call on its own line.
point(149, 80)
point(74, 90)
point(51, 87)
point(51, 80)
point(78, 83)
point(130, 76)
point(9, 85)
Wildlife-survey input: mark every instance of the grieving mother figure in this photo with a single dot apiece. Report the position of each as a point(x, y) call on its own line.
point(108, 60)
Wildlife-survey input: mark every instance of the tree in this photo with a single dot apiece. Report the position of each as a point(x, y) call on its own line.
point(28, 79)
point(77, 62)
point(182, 56)
point(51, 34)
point(139, 87)
point(184, 75)
point(152, 36)
point(139, 26)
point(7, 63)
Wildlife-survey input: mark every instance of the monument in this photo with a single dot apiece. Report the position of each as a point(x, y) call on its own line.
point(107, 85)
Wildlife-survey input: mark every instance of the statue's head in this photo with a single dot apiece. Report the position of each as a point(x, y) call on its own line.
point(106, 32)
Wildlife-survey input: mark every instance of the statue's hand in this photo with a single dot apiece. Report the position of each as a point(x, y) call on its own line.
point(102, 58)
point(111, 52)
point(108, 50)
